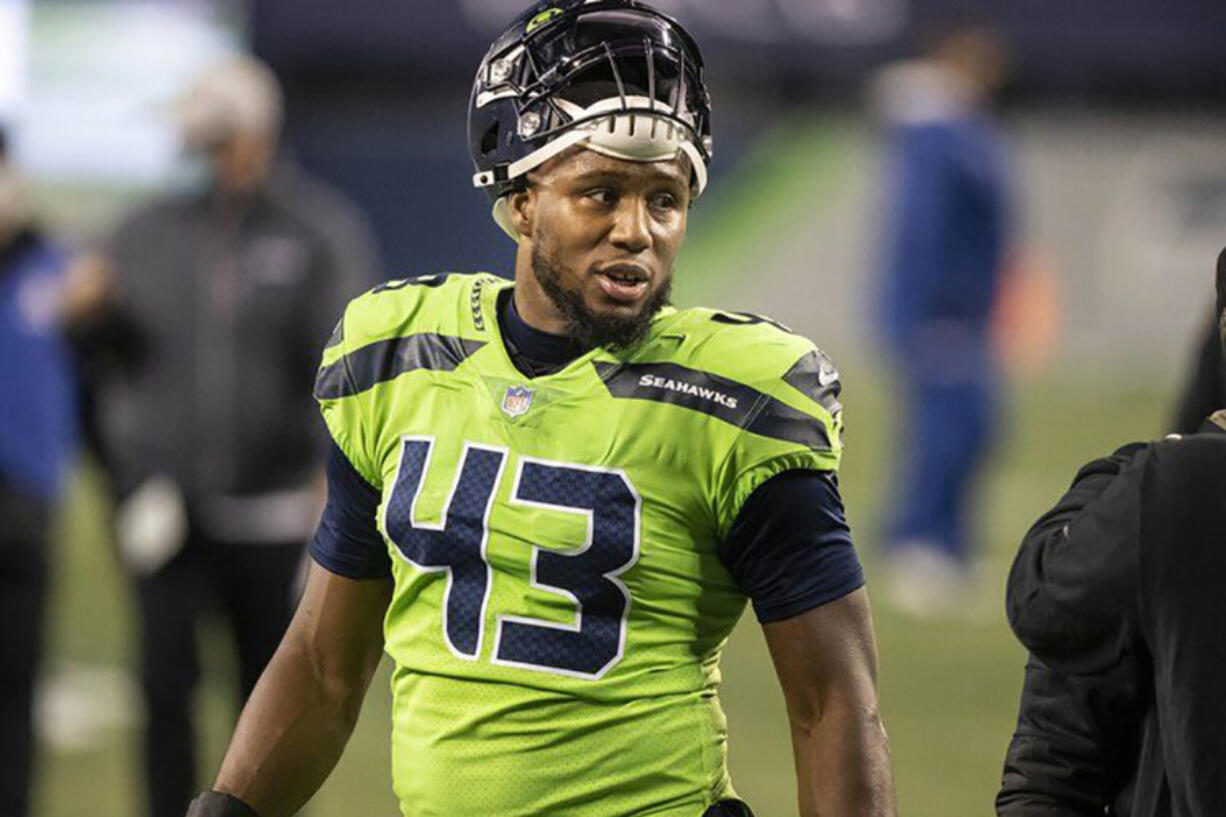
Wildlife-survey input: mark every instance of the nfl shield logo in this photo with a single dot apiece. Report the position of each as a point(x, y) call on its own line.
point(517, 401)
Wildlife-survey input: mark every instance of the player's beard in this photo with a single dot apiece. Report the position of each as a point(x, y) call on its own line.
point(583, 324)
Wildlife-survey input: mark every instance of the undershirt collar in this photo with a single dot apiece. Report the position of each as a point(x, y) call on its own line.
point(534, 353)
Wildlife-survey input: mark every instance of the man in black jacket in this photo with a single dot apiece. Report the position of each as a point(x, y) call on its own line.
point(208, 305)
point(1116, 593)
point(1074, 753)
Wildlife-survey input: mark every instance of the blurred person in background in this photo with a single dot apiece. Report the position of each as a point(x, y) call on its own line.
point(946, 235)
point(207, 305)
point(1116, 591)
point(37, 440)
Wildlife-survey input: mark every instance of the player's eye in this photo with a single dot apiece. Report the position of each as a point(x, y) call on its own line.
point(664, 201)
point(602, 196)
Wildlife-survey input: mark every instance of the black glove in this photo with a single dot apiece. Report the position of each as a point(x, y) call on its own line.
point(217, 804)
point(728, 808)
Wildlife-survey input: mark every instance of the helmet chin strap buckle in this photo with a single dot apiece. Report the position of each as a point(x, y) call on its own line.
point(488, 178)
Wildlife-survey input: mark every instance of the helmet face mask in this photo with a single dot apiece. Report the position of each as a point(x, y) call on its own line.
point(614, 76)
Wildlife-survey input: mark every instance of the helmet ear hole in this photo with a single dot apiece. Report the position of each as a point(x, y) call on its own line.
point(489, 141)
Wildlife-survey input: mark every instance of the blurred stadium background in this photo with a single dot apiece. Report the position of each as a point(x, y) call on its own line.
point(1116, 115)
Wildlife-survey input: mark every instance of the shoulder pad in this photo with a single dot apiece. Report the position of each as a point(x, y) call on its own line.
point(408, 306)
point(758, 352)
point(748, 347)
point(417, 323)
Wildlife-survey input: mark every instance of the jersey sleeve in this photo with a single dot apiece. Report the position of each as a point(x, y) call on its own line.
point(790, 549)
point(343, 404)
point(782, 531)
point(794, 424)
point(348, 541)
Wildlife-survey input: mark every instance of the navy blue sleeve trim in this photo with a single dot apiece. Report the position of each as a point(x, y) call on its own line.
point(348, 541)
point(790, 549)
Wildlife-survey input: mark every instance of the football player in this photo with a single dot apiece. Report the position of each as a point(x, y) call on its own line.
point(550, 499)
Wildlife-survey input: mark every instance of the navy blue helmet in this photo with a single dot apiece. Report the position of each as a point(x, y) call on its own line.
point(615, 76)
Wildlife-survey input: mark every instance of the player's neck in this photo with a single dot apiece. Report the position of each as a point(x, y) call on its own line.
point(535, 307)
point(532, 351)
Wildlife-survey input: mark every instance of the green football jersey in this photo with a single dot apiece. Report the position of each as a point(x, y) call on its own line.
point(560, 604)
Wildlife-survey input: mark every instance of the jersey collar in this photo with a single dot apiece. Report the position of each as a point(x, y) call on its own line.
point(488, 314)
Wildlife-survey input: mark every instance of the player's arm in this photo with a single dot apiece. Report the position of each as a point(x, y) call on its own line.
point(789, 548)
point(826, 660)
point(791, 551)
point(304, 708)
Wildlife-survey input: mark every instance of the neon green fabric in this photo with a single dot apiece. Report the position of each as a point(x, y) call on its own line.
point(560, 604)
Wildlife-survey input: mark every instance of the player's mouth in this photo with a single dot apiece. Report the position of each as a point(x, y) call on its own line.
point(623, 282)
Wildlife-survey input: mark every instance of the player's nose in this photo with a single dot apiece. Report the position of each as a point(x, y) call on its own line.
point(631, 226)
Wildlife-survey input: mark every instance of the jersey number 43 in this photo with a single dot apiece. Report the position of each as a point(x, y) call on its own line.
point(586, 574)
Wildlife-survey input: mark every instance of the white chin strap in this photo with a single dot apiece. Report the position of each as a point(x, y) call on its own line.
point(631, 135)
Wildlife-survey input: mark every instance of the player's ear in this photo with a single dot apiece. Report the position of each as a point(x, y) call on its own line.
point(521, 208)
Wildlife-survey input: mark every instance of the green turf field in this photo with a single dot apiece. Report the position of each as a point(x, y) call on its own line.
point(948, 689)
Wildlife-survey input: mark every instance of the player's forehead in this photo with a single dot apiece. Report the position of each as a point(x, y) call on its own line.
point(582, 164)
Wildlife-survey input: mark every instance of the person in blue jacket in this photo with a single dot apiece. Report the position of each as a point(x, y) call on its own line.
point(946, 232)
point(37, 439)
